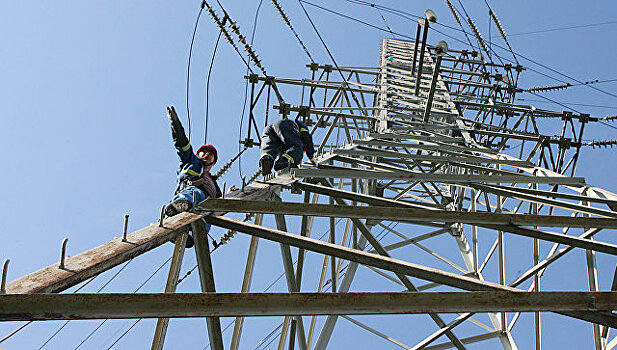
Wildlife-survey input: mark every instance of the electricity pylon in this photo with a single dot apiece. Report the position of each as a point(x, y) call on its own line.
point(428, 180)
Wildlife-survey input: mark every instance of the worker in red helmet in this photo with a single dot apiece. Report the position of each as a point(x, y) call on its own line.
point(194, 179)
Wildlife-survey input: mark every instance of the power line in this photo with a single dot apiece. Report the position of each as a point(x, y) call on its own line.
point(98, 291)
point(188, 69)
point(216, 46)
point(338, 69)
point(353, 19)
point(569, 103)
point(135, 291)
point(246, 86)
point(564, 28)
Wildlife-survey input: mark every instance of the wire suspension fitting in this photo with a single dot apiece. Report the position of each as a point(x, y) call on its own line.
point(221, 24)
point(288, 22)
point(456, 17)
point(247, 47)
point(254, 177)
point(610, 118)
point(549, 88)
point(231, 233)
point(602, 143)
point(228, 165)
point(497, 24)
point(477, 34)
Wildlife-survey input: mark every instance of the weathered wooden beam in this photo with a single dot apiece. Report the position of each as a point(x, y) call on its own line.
point(152, 305)
point(90, 263)
point(78, 268)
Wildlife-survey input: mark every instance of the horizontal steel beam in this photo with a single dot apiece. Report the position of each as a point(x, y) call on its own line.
point(505, 222)
point(29, 307)
point(446, 178)
point(405, 214)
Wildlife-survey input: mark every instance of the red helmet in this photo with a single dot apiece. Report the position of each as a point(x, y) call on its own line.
point(211, 149)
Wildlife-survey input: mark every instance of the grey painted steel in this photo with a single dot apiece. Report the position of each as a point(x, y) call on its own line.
point(153, 305)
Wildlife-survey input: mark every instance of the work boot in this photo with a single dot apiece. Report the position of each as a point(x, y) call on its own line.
point(190, 242)
point(178, 206)
point(283, 163)
point(265, 165)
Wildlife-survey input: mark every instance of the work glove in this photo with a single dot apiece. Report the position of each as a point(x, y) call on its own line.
point(177, 131)
point(172, 115)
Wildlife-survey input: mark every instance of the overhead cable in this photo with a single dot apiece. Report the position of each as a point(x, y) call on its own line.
point(188, 70)
point(207, 107)
point(345, 84)
point(246, 86)
point(354, 19)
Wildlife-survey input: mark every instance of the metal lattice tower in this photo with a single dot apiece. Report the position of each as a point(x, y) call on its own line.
point(425, 171)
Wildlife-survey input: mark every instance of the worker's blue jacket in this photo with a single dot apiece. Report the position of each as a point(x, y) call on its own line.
point(287, 138)
point(191, 168)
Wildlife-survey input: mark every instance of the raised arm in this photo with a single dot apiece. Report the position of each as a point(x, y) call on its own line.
point(181, 142)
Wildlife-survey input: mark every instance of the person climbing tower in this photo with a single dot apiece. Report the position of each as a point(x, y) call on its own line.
point(194, 179)
point(285, 139)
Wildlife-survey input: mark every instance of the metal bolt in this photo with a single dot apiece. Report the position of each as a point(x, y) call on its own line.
point(63, 253)
point(5, 270)
point(162, 216)
point(126, 225)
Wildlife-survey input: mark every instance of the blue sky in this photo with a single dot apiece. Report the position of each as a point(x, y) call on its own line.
point(85, 139)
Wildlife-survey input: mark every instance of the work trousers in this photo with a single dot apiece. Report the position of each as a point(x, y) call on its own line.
point(280, 138)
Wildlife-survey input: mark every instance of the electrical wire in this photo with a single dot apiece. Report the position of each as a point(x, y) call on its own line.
point(29, 322)
point(338, 69)
point(188, 70)
point(218, 39)
point(564, 28)
point(135, 291)
point(385, 22)
point(100, 289)
point(569, 103)
point(500, 28)
point(353, 19)
point(246, 86)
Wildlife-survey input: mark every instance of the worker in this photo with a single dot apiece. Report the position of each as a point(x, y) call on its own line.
point(285, 139)
point(194, 179)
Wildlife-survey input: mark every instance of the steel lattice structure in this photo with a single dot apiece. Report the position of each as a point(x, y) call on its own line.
point(425, 168)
